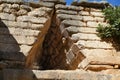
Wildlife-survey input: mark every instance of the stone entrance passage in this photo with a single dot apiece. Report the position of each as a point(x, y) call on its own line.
point(51, 40)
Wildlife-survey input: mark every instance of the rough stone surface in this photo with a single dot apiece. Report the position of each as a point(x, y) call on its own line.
point(48, 34)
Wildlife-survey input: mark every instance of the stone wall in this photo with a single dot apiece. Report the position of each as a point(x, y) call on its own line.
point(51, 35)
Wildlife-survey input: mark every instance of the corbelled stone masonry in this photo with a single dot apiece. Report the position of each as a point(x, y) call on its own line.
point(51, 35)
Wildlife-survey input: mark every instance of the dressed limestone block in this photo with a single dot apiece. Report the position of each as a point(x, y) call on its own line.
point(6, 16)
point(25, 49)
point(13, 39)
point(13, 1)
point(25, 25)
point(19, 31)
point(95, 44)
point(74, 23)
point(21, 12)
point(99, 67)
point(31, 19)
point(56, 1)
point(98, 52)
point(99, 19)
point(88, 18)
point(84, 13)
point(67, 16)
point(64, 7)
point(84, 36)
point(97, 14)
point(37, 13)
point(75, 29)
point(106, 60)
point(26, 7)
point(66, 12)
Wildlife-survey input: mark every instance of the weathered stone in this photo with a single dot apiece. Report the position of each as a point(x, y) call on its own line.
point(31, 19)
point(26, 7)
point(46, 4)
point(25, 49)
point(37, 13)
point(22, 12)
point(18, 31)
point(9, 47)
point(66, 12)
point(25, 25)
point(83, 36)
point(75, 29)
point(88, 18)
point(56, 1)
point(25, 40)
point(74, 23)
point(74, 8)
point(66, 16)
point(106, 60)
point(99, 67)
point(13, 1)
point(95, 44)
point(92, 24)
point(6, 10)
point(56, 74)
point(6, 16)
point(98, 52)
point(15, 6)
point(97, 14)
point(84, 13)
point(99, 19)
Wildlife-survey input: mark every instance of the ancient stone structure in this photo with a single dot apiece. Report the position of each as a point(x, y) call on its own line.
point(51, 40)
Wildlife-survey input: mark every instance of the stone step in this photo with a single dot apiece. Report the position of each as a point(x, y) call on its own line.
point(94, 44)
point(84, 36)
point(17, 74)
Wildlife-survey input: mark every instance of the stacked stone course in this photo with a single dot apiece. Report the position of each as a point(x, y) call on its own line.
point(51, 35)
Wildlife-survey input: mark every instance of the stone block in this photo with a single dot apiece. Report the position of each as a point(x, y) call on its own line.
point(74, 29)
point(95, 44)
point(88, 18)
point(31, 19)
point(64, 7)
point(66, 12)
point(66, 16)
point(15, 6)
point(26, 7)
point(106, 60)
point(6, 16)
point(97, 14)
point(84, 13)
point(25, 40)
point(92, 24)
point(19, 31)
point(99, 67)
point(98, 52)
point(25, 49)
point(37, 13)
point(84, 36)
point(99, 19)
point(74, 23)
point(22, 12)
